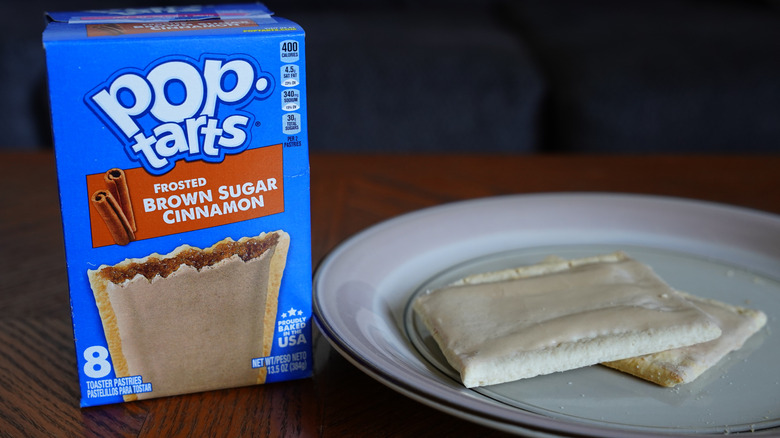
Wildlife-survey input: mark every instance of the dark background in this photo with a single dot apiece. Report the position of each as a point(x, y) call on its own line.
point(511, 76)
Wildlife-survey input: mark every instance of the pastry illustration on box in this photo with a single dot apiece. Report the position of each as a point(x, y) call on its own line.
point(194, 319)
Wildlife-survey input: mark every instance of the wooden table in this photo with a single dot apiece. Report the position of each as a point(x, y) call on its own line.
point(38, 383)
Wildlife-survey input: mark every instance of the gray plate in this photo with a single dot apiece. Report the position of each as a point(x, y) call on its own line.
point(363, 288)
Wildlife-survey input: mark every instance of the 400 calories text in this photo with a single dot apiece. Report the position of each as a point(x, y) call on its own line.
point(180, 108)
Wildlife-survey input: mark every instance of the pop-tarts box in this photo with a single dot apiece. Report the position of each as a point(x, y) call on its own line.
point(182, 156)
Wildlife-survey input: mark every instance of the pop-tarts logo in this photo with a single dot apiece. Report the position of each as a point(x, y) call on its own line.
point(180, 108)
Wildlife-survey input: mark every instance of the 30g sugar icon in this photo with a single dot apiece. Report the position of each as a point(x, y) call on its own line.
point(291, 123)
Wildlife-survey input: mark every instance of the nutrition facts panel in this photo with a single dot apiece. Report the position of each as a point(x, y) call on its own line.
point(290, 77)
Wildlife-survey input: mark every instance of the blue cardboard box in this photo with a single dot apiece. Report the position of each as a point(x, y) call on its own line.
point(182, 158)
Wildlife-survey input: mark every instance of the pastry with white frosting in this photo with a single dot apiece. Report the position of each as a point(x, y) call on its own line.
point(683, 365)
point(558, 315)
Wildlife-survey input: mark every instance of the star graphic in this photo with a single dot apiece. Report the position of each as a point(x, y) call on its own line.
point(292, 311)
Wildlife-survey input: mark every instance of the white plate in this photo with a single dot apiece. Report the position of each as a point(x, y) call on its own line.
point(363, 288)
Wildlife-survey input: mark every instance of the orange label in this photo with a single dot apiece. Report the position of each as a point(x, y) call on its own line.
point(114, 29)
point(197, 195)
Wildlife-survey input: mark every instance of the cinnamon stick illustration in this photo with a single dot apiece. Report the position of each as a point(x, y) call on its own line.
point(111, 212)
point(116, 182)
